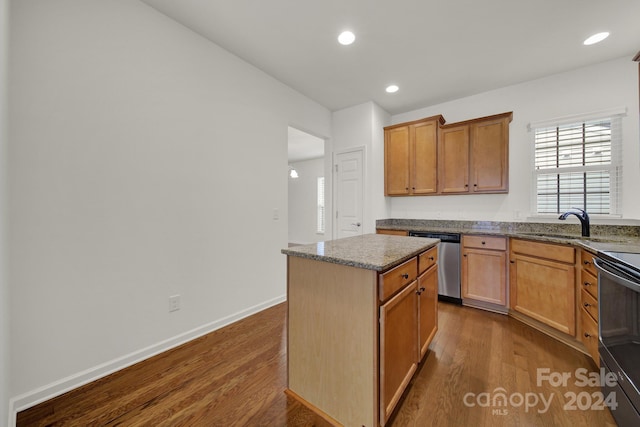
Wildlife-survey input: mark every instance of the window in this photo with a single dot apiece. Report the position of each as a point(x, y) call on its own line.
point(320, 223)
point(578, 165)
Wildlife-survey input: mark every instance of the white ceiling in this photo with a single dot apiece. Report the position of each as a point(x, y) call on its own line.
point(435, 50)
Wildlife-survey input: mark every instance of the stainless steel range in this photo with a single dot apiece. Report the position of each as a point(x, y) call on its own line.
point(619, 346)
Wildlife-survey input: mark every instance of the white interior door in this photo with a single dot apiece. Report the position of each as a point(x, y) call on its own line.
point(349, 192)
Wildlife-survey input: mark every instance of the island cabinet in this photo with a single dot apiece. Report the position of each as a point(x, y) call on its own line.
point(357, 333)
point(484, 271)
point(473, 156)
point(411, 157)
point(588, 312)
point(542, 283)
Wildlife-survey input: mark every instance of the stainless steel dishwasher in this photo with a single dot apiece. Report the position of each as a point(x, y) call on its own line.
point(448, 264)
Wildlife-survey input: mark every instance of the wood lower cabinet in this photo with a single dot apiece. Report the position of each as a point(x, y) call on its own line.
point(411, 157)
point(542, 283)
point(588, 312)
point(357, 336)
point(398, 347)
point(427, 308)
point(408, 323)
point(392, 232)
point(484, 270)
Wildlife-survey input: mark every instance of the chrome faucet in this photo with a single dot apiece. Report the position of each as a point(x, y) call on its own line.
point(582, 216)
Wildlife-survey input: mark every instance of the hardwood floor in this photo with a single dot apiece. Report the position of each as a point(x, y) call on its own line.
point(236, 376)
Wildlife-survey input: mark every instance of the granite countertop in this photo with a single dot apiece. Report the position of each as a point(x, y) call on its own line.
point(370, 251)
point(619, 238)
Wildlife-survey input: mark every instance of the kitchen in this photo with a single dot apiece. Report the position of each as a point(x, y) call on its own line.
point(118, 216)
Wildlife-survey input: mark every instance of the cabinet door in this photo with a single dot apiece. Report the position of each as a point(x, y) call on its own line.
point(544, 290)
point(428, 308)
point(484, 276)
point(396, 161)
point(490, 156)
point(398, 347)
point(453, 165)
point(424, 165)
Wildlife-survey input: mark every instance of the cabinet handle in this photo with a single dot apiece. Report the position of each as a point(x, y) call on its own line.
point(466, 186)
point(587, 335)
point(484, 243)
point(464, 255)
point(422, 289)
point(512, 262)
point(475, 185)
point(405, 276)
point(587, 284)
point(585, 262)
point(431, 258)
point(586, 304)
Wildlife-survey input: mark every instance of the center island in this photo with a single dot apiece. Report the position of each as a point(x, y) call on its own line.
point(361, 313)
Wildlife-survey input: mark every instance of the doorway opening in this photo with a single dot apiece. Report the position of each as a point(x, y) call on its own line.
point(306, 177)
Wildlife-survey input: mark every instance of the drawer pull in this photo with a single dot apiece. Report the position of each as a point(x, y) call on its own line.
point(587, 262)
point(405, 276)
point(484, 243)
point(587, 284)
point(587, 335)
point(431, 258)
point(586, 304)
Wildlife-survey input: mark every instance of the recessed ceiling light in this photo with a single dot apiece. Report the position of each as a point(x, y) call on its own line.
point(392, 89)
point(346, 38)
point(596, 38)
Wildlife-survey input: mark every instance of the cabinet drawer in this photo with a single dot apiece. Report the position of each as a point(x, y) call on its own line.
point(590, 335)
point(586, 260)
point(590, 304)
point(559, 253)
point(589, 282)
point(427, 259)
point(485, 242)
point(394, 279)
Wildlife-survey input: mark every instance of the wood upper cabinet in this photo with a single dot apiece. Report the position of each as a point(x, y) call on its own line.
point(474, 156)
point(411, 157)
point(489, 167)
point(484, 269)
point(542, 283)
point(453, 166)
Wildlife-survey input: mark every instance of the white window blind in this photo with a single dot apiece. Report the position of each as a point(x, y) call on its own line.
point(578, 165)
point(320, 222)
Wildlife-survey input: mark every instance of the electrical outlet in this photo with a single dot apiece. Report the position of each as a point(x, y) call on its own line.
point(174, 303)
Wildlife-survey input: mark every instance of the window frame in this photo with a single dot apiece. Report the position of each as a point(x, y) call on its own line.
point(614, 168)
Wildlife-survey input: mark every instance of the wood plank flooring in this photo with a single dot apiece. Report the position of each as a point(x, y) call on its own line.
point(236, 376)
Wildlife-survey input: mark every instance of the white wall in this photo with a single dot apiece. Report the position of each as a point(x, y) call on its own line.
point(600, 87)
point(4, 286)
point(303, 202)
point(144, 161)
point(361, 126)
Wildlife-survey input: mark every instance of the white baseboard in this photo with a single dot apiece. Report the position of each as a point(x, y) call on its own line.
point(49, 391)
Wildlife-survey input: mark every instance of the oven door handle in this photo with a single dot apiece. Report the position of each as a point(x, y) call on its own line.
point(612, 273)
